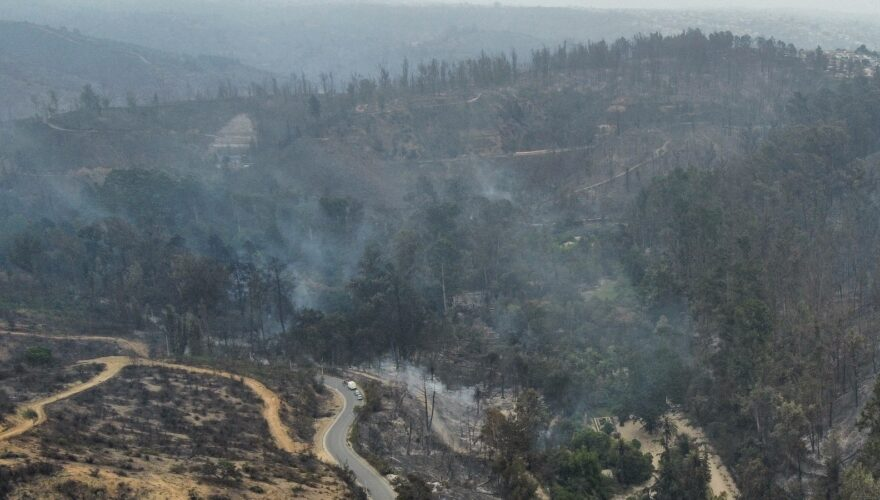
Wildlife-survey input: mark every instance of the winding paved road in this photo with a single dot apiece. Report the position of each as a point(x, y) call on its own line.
point(336, 443)
point(335, 440)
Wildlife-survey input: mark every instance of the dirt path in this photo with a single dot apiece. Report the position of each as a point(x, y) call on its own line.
point(656, 155)
point(501, 156)
point(721, 481)
point(135, 346)
point(271, 402)
point(238, 133)
point(114, 364)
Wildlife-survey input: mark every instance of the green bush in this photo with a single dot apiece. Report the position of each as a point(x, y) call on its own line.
point(38, 355)
point(577, 467)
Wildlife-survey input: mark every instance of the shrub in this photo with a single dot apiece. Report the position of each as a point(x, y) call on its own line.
point(6, 404)
point(13, 474)
point(414, 488)
point(38, 355)
point(608, 427)
point(76, 489)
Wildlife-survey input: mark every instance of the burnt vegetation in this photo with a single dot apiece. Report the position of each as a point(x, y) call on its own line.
point(592, 230)
point(162, 421)
point(31, 368)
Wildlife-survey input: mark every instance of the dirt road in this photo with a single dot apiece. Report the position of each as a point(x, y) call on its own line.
point(271, 402)
point(21, 424)
point(135, 346)
point(721, 480)
point(114, 364)
point(657, 154)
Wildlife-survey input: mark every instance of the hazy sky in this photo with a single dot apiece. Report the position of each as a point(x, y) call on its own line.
point(863, 6)
point(842, 6)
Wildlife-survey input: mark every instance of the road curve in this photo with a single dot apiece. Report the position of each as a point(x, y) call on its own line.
point(335, 440)
point(337, 445)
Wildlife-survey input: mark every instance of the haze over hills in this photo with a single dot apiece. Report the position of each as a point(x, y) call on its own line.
point(35, 60)
point(346, 38)
point(437, 252)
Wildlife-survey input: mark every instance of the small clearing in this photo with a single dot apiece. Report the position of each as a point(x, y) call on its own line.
point(237, 134)
point(721, 482)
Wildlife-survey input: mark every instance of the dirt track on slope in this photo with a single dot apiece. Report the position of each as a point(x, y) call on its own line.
point(656, 155)
point(134, 346)
point(722, 481)
point(271, 402)
point(114, 364)
point(21, 424)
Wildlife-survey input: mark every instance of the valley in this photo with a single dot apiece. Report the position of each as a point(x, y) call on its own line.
point(636, 268)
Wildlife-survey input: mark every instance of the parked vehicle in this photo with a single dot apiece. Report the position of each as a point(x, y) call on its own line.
point(351, 385)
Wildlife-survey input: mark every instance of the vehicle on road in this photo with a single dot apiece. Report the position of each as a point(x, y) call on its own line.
point(337, 444)
point(351, 385)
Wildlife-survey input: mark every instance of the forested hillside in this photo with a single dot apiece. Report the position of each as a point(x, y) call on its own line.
point(774, 255)
point(596, 230)
point(43, 70)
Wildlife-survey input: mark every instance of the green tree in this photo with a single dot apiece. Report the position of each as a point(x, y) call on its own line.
point(578, 474)
point(859, 484)
point(788, 432)
point(829, 485)
point(684, 472)
point(633, 466)
point(531, 418)
point(515, 482)
point(869, 420)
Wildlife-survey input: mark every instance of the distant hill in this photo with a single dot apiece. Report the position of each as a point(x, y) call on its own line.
point(35, 60)
point(348, 37)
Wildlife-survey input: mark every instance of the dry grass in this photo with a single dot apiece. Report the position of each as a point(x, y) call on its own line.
point(160, 433)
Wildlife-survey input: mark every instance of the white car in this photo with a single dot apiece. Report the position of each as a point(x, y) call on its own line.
point(351, 385)
point(359, 396)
